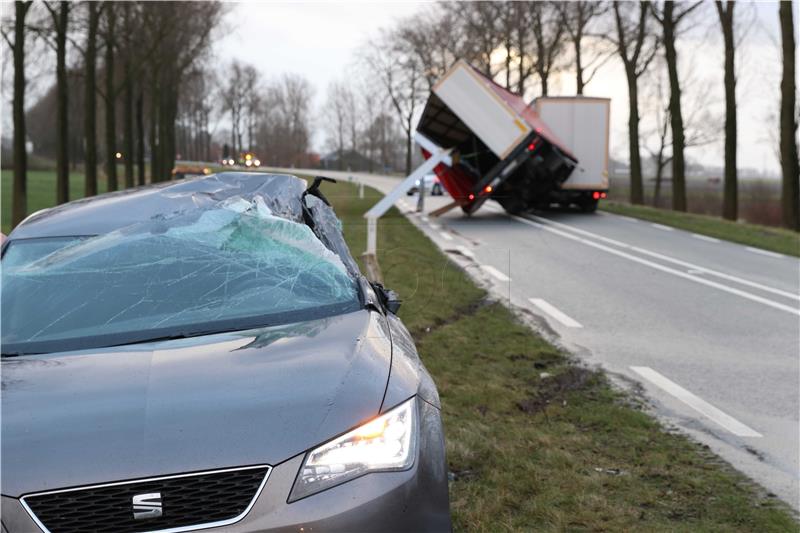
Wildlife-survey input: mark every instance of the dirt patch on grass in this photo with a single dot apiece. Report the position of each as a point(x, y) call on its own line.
point(555, 389)
point(439, 322)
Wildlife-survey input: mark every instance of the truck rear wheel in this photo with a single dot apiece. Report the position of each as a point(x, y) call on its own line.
point(588, 205)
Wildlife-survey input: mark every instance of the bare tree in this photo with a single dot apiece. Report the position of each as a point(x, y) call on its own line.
point(636, 48)
point(402, 75)
point(730, 196)
point(110, 95)
point(790, 194)
point(19, 204)
point(577, 18)
point(478, 23)
point(60, 22)
point(284, 127)
point(435, 36)
point(336, 118)
point(670, 17)
point(90, 98)
point(235, 99)
point(701, 126)
point(547, 41)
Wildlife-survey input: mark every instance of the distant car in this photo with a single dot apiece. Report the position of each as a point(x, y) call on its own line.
point(190, 169)
point(207, 354)
point(432, 184)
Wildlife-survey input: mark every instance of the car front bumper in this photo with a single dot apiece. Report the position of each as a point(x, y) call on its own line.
point(411, 500)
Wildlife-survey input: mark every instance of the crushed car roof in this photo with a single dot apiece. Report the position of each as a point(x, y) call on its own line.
point(144, 208)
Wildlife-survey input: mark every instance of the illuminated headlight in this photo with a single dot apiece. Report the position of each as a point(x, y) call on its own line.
point(248, 163)
point(385, 444)
point(257, 163)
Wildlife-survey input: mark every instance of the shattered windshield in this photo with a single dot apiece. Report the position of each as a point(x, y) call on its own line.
point(233, 266)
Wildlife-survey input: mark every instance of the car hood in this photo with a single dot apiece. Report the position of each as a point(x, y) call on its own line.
point(256, 397)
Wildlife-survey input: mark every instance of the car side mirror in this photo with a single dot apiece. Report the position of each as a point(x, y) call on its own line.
point(393, 302)
point(389, 299)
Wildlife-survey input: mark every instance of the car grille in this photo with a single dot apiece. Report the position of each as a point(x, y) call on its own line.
point(188, 501)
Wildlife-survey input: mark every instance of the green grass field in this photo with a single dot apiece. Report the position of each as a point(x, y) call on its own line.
point(766, 237)
point(534, 441)
point(41, 191)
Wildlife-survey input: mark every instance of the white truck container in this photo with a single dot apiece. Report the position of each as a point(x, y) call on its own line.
point(472, 98)
point(581, 123)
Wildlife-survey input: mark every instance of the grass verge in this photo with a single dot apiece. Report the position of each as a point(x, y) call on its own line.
point(535, 442)
point(765, 237)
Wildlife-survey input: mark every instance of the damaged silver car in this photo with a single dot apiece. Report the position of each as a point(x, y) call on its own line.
point(206, 354)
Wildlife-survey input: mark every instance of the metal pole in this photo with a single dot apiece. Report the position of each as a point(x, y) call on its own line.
point(421, 197)
point(372, 235)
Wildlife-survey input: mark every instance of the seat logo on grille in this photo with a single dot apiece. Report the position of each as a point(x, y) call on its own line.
point(147, 505)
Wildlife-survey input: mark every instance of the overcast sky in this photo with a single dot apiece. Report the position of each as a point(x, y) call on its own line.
point(319, 41)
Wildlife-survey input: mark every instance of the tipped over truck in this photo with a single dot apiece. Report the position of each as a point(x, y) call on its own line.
point(554, 151)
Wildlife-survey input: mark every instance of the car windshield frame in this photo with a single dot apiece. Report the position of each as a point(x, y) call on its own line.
point(198, 329)
point(214, 327)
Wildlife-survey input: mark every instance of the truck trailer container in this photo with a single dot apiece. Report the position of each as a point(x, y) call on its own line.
point(504, 150)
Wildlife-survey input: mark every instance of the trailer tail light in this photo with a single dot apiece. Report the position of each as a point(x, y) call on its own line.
point(596, 195)
point(603, 195)
point(487, 189)
point(471, 197)
point(532, 147)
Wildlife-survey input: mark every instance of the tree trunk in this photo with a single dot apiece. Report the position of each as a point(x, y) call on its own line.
point(111, 111)
point(730, 197)
point(578, 66)
point(90, 112)
point(140, 137)
point(127, 125)
point(19, 208)
point(637, 187)
point(543, 77)
point(659, 177)
point(62, 113)
point(409, 146)
point(790, 194)
point(155, 175)
point(676, 117)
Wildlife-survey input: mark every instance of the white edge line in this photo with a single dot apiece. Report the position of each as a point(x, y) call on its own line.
point(696, 403)
point(445, 236)
point(555, 313)
point(496, 273)
point(657, 255)
point(763, 252)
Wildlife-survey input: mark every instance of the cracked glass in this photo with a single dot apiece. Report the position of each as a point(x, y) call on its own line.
point(232, 264)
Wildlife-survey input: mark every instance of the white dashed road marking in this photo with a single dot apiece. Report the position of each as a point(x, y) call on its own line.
point(494, 272)
point(763, 252)
point(662, 227)
point(466, 252)
point(696, 403)
point(555, 313)
point(704, 237)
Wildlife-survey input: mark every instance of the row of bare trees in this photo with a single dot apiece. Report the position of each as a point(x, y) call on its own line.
point(521, 45)
point(271, 117)
point(359, 121)
point(137, 57)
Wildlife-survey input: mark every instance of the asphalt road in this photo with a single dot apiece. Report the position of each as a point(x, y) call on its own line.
point(710, 330)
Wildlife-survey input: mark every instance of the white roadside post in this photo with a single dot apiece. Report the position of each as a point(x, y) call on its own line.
point(438, 155)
